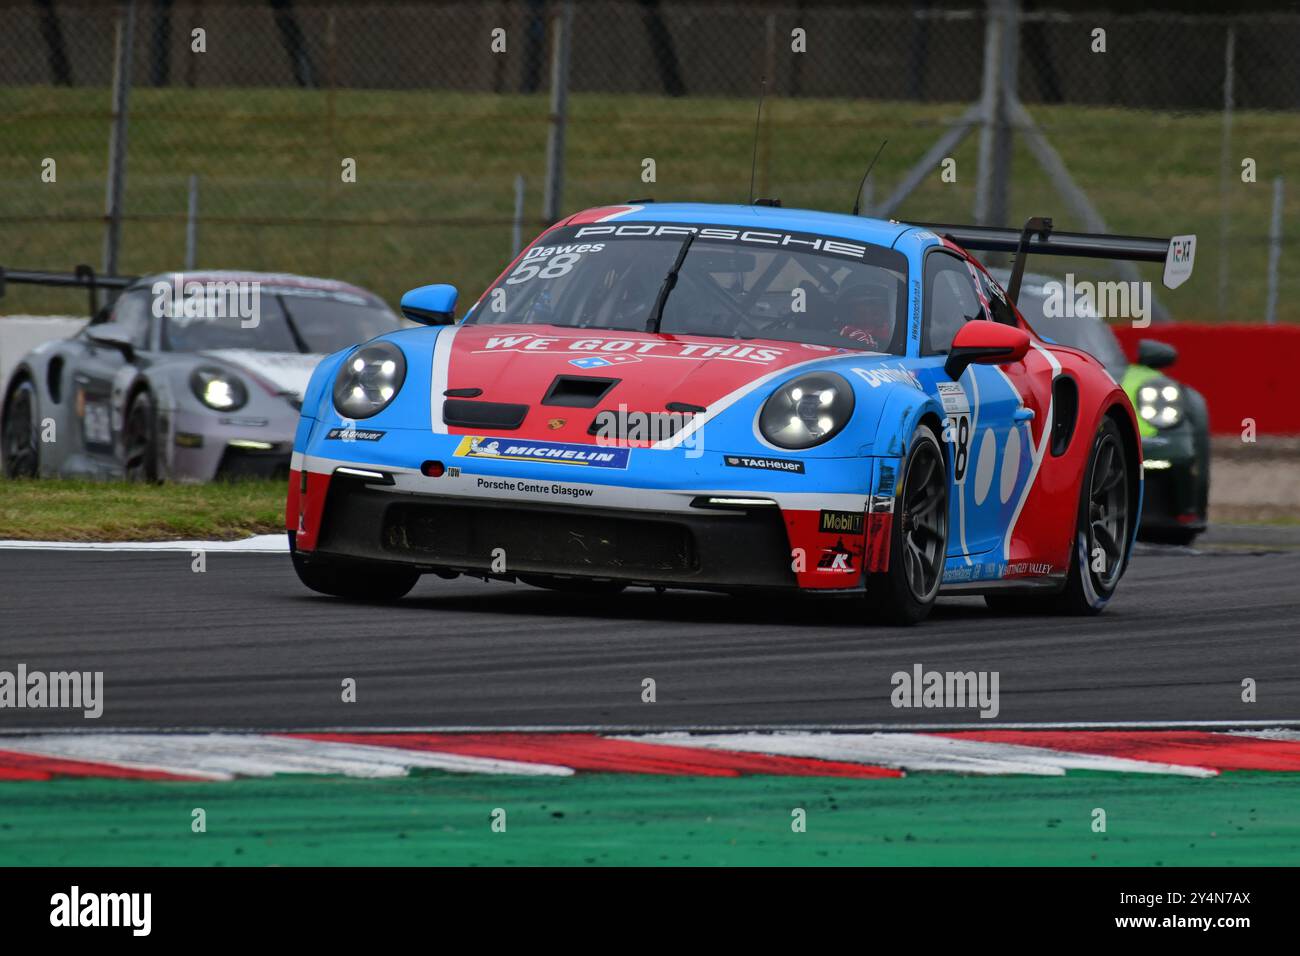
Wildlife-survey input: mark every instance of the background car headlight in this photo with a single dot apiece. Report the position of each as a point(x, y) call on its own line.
point(368, 380)
point(1160, 403)
point(807, 411)
point(218, 389)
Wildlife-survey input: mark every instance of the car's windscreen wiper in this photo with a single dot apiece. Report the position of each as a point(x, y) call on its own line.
point(298, 340)
point(657, 315)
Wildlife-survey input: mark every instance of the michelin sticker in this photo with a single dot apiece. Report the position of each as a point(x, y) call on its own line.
point(554, 453)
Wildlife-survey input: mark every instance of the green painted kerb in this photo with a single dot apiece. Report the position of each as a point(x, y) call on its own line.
point(443, 819)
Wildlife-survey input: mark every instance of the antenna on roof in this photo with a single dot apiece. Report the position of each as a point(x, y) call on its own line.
point(857, 201)
point(753, 163)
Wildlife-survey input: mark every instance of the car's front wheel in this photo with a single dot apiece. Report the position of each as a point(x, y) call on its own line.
point(22, 448)
point(918, 536)
point(357, 581)
point(140, 439)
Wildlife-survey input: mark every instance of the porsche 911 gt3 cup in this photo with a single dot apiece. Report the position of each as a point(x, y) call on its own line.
point(724, 398)
point(189, 376)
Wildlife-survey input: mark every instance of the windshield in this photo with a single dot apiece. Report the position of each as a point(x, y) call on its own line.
point(732, 283)
point(275, 320)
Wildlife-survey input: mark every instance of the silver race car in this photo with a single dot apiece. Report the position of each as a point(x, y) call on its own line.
point(184, 377)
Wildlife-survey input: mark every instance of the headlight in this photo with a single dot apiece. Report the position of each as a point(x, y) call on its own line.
point(218, 389)
point(368, 380)
point(1160, 403)
point(807, 411)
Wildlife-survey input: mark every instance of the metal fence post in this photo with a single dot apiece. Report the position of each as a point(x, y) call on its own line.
point(116, 186)
point(992, 117)
point(997, 201)
point(517, 226)
point(1008, 79)
point(192, 225)
point(1225, 166)
point(562, 26)
point(1274, 252)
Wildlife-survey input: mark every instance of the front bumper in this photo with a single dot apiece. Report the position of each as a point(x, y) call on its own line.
point(710, 551)
point(1174, 477)
point(651, 522)
point(210, 446)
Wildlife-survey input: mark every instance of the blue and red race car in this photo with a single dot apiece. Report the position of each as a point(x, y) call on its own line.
point(731, 397)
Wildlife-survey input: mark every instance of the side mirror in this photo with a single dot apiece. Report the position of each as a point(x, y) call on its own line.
point(1155, 354)
point(981, 342)
point(112, 336)
point(431, 304)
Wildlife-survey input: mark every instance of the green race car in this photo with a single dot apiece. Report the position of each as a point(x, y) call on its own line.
point(1172, 416)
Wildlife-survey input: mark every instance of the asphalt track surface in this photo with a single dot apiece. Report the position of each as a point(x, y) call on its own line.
point(244, 645)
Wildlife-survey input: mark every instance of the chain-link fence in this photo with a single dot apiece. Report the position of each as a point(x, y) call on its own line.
point(398, 143)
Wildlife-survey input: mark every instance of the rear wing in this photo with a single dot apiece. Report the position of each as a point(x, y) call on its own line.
point(82, 277)
point(1177, 252)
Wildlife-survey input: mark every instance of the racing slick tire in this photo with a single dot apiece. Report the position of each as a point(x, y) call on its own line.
point(358, 582)
point(140, 440)
point(20, 443)
point(572, 585)
point(918, 537)
point(1103, 522)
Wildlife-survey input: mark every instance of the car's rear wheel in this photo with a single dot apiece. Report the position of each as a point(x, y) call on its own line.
point(918, 536)
point(1102, 536)
point(354, 580)
point(22, 447)
point(140, 439)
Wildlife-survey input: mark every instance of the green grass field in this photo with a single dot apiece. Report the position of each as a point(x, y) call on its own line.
point(435, 172)
point(77, 510)
point(439, 819)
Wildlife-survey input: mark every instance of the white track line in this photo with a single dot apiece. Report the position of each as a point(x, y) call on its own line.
point(924, 752)
point(687, 729)
point(614, 729)
point(223, 756)
point(257, 544)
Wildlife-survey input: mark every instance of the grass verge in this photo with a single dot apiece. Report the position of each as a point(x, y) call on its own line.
point(79, 510)
point(436, 169)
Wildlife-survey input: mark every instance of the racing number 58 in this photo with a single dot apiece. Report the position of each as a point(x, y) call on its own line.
point(958, 432)
point(551, 268)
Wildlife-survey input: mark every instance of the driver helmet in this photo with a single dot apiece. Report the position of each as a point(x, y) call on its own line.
point(865, 312)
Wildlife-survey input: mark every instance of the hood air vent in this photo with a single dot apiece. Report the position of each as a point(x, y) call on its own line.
point(578, 391)
point(471, 414)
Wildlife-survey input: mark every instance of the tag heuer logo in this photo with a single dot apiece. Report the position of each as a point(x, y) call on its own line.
point(555, 424)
